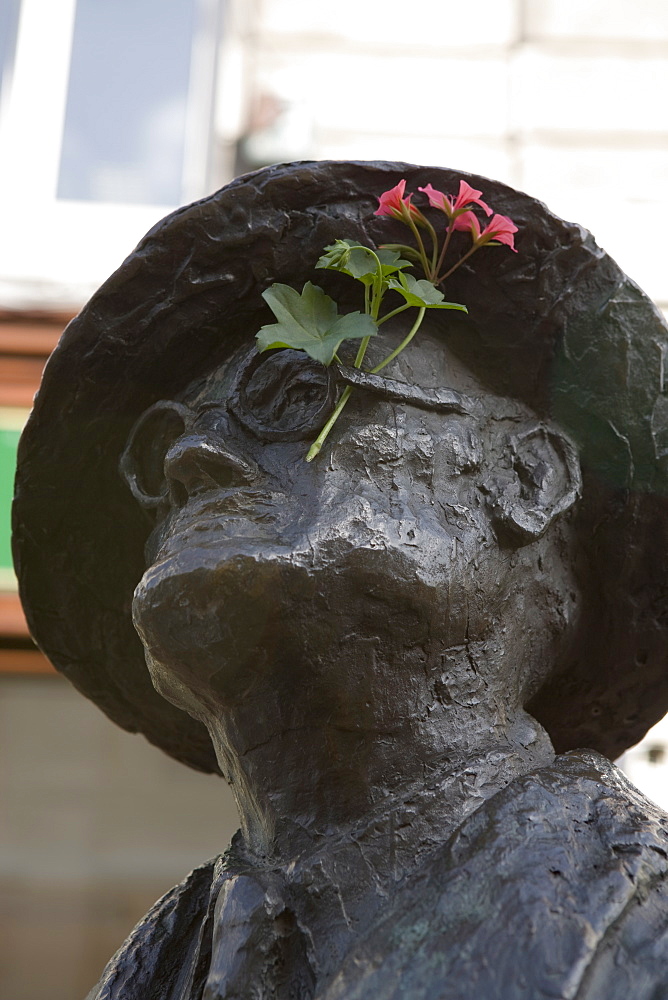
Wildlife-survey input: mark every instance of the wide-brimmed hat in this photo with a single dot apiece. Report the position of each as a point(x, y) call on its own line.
point(556, 325)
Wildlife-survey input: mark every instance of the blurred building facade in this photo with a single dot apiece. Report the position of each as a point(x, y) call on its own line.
point(112, 115)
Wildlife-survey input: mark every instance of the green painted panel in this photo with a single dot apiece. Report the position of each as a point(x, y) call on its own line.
point(9, 439)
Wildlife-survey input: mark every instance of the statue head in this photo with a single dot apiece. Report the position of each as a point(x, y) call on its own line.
point(391, 583)
point(444, 557)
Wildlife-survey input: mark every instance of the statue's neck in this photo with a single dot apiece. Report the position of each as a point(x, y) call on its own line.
point(335, 882)
point(400, 798)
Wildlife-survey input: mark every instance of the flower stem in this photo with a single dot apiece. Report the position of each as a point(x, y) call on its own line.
point(404, 343)
point(394, 312)
point(320, 440)
point(421, 249)
point(433, 271)
point(361, 352)
point(372, 303)
point(456, 265)
point(345, 395)
point(446, 244)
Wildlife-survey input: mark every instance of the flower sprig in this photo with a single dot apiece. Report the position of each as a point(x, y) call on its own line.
point(461, 217)
point(309, 320)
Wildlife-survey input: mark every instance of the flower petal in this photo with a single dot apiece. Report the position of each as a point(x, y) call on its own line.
point(468, 221)
point(469, 196)
point(437, 199)
point(390, 202)
point(501, 229)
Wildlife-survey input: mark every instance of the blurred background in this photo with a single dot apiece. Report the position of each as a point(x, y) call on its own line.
point(113, 113)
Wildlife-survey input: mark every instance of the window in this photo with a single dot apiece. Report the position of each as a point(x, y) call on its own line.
point(106, 127)
point(125, 125)
point(9, 20)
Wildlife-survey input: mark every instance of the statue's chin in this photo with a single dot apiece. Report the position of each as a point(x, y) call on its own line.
point(210, 618)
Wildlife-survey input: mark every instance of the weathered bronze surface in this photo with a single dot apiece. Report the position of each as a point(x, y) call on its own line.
point(383, 649)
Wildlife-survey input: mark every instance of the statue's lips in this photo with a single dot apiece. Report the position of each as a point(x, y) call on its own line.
point(246, 519)
point(215, 610)
point(220, 504)
point(210, 556)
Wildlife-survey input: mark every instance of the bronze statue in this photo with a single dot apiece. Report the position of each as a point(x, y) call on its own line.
point(394, 652)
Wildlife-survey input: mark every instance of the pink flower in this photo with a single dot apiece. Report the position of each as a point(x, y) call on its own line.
point(468, 221)
point(499, 229)
point(454, 207)
point(393, 203)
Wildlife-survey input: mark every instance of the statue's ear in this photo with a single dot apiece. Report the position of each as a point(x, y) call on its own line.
point(142, 464)
point(543, 480)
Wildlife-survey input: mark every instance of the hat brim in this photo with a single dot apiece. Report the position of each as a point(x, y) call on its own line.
point(557, 325)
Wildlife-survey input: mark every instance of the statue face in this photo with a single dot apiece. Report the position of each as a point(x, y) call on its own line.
point(276, 579)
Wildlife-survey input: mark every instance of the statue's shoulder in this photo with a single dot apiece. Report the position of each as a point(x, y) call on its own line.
point(167, 955)
point(629, 957)
point(539, 893)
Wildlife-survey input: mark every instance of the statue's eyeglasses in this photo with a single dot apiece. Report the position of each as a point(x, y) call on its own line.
point(284, 395)
point(281, 395)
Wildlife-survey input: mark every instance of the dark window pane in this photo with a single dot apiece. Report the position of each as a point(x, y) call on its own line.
point(9, 21)
point(125, 123)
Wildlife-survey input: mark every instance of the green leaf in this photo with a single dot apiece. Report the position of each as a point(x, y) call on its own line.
point(336, 255)
point(400, 248)
point(391, 259)
point(421, 293)
point(310, 322)
point(361, 262)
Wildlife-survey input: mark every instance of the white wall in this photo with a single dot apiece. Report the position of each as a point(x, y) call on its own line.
point(563, 98)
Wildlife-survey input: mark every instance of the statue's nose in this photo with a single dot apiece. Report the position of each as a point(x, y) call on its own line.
point(195, 464)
